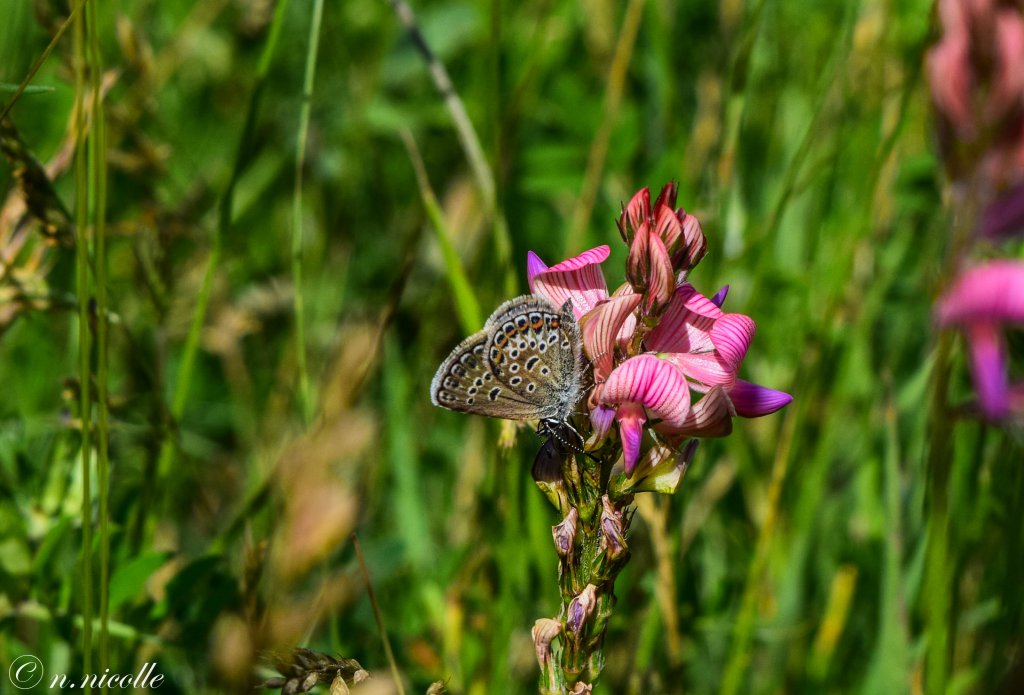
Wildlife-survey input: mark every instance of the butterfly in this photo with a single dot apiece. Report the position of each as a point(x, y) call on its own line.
point(525, 364)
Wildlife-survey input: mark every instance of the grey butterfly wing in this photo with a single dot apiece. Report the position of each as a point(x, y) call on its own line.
point(535, 354)
point(465, 383)
point(461, 375)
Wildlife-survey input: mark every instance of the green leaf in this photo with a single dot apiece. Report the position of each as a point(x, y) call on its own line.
point(130, 577)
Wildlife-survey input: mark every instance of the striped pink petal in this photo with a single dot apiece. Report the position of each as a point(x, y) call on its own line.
point(534, 267)
point(600, 329)
point(703, 369)
point(711, 416)
point(631, 419)
point(698, 303)
point(666, 198)
point(686, 324)
point(578, 280)
point(628, 326)
point(731, 336)
point(638, 210)
point(751, 400)
point(988, 366)
point(655, 383)
point(694, 245)
point(660, 281)
point(638, 262)
point(991, 292)
point(666, 226)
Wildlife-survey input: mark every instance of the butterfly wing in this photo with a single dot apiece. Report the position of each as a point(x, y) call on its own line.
point(535, 354)
point(465, 383)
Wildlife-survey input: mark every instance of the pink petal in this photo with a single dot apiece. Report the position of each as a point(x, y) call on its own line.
point(751, 400)
point(638, 210)
point(731, 336)
point(578, 280)
point(706, 369)
point(988, 365)
point(655, 383)
point(950, 76)
point(637, 263)
point(666, 226)
point(628, 327)
point(667, 197)
point(1008, 83)
point(698, 303)
point(711, 416)
point(631, 430)
point(534, 267)
point(686, 324)
point(661, 281)
point(600, 329)
point(991, 292)
point(695, 244)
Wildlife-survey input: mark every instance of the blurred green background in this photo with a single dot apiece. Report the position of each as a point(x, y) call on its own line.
point(791, 559)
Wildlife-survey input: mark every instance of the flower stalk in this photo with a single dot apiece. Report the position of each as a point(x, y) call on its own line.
point(664, 361)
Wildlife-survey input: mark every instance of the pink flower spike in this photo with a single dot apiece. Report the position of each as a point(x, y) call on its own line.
point(577, 279)
point(988, 364)
point(654, 383)
point(534, 267)
point(600, 329)
point(731, 336)
point(631, 430)
point(751, 400)
point(991, 292)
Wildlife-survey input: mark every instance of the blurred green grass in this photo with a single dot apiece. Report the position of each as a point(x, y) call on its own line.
point(799, 133)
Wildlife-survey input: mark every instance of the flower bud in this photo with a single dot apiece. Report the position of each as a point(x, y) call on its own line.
point(544, 632)
point(613, 541)
point(580, 610)
point(565, 535)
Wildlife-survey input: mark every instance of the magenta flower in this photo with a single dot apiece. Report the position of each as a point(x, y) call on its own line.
point(981, 302)
point(656, 344)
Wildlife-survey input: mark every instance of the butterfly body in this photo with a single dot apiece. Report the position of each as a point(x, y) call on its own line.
point(525, 364)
